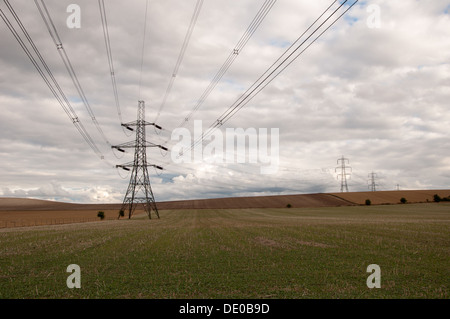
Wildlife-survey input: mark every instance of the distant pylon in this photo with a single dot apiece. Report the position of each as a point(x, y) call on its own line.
point(139, 189)
point(343, 173)
point(372, 185)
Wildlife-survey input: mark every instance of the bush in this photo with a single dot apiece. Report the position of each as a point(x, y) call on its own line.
point(101, 215)
point(288, 205)
point(437, 198)
point(121, 213)
point(403, 200)
point(368, 202)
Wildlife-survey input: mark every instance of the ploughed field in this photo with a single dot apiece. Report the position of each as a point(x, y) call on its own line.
point(298, 252)
point(19, 212)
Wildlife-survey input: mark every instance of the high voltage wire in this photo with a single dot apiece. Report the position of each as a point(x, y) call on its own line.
point(270, 74)
point(237, 49)
point(143, 48)
point(260, 84)
point(63, 54)
point(101, 5)
point(245, 97)
point(55, 88)
point(194, 18)
point(257, 20)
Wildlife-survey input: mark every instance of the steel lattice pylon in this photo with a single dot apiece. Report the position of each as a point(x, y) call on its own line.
point(373, 185)
point(343, 173)
point(139, 189)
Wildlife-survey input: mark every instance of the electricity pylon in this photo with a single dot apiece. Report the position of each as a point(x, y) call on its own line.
point(372, 185)
point(139, 189)
point(343, 173)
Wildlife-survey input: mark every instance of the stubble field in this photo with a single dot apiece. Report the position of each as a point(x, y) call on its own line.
point(320, 252)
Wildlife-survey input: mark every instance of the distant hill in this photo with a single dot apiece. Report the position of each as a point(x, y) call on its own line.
point(393, 197)
point(308, 200)
point(12, 203)
point(276, 201)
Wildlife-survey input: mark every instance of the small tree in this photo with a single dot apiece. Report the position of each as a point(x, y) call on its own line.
point(288, 205)
point(368, 202)
point(121, 213)
point(101, 215)
point(403, 200)
point(437, 198)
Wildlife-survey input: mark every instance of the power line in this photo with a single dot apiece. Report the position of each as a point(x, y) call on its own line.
point(55, 88)
point(63, 54)
point(226, 116)
point(197, 9)
point(270, 74)
point(101, 4)
point(257, 20)
point(237, 49)
point(143, 47)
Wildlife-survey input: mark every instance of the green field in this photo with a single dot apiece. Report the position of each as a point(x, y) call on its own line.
point(240, 253)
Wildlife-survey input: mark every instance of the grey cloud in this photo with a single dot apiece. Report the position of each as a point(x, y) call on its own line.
point(378, 96)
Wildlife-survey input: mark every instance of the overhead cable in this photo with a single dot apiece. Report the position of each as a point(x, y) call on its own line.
point(187, 37)
point(287, 58)
point(63, 54)
point(52, 84)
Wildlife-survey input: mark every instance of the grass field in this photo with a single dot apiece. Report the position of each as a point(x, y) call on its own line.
point(236, 253)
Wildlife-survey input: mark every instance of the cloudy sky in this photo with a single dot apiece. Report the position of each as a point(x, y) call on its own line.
point(375, 88)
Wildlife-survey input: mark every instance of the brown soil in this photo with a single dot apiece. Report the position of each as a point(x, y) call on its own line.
point(279, 201)
point(17, 212)
point(392, 197)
